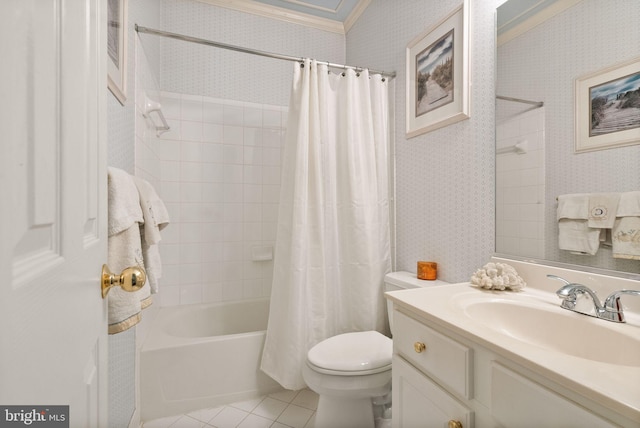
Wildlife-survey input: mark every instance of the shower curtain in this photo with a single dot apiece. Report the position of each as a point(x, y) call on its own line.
point(332, 246)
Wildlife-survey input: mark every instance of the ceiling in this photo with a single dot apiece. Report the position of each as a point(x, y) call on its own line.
point(331, 15)
point(515, 17)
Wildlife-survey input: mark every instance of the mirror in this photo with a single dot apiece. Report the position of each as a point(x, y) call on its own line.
point(543, 46)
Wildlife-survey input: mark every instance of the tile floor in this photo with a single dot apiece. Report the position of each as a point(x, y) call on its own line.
point(286, 409)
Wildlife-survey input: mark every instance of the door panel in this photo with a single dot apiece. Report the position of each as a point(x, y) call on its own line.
point(53, 214)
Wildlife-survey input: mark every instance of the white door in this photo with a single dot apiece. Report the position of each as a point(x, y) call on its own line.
point(53, 207)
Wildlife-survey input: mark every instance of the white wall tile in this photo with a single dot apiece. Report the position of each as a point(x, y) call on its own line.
point(215, 194)
point(211, 133)
point(191, 109)
point(252, 117)
point(232, 135)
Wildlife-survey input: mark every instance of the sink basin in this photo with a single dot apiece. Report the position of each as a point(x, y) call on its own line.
point(550, 327)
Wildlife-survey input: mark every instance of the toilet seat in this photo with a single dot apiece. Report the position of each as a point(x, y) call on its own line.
point(352, 354)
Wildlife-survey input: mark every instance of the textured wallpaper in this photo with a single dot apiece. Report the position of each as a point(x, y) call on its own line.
point(445, 178)
point(121, 123)
point(207, 71)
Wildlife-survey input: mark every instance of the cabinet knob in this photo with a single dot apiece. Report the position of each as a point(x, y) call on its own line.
point(454, 424)
point(419, 347)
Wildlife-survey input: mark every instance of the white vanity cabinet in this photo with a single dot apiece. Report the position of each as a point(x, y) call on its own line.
point(441, 379)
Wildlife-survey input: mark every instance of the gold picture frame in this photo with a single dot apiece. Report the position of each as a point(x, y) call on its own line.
point(438, 74)
point(607, 108)
point(117, 49)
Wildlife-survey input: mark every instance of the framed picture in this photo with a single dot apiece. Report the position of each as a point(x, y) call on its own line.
point(607, 108)
point(438, 74)
point(117, 49)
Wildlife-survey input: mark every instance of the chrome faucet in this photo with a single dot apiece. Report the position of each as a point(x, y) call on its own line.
point(569, 295)
point(610, 311)
point(613, 307)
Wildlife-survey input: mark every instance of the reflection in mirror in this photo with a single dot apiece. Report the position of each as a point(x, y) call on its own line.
point(543, 46)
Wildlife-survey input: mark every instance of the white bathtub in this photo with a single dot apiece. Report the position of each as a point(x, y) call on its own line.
point(199, 356)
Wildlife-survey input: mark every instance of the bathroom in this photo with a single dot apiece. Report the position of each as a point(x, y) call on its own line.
point(444, 180)
point(449, 159)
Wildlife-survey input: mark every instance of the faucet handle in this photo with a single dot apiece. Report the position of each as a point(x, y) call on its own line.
point(559, 278)
point(613, 306)
point(567, 292)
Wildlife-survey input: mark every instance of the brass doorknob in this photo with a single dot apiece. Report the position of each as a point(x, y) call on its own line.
point(454, 424)
point(131, 279)
point(419, 347)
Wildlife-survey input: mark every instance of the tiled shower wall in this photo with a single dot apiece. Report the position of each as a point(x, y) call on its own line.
point(520, 189)
point(221, 161)
point(220, 180)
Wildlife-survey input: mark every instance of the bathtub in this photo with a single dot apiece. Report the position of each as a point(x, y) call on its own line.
point(200, 356)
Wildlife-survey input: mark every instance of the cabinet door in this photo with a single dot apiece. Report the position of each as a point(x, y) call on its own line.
point(419, 402)
point(519, 402)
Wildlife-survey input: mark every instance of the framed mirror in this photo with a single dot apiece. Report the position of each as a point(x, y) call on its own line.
point(544, 46)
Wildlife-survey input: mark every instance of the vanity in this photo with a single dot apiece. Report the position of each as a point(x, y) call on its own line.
point(468, 357)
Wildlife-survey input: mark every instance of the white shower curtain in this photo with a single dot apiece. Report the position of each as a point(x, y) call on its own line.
point(332, 245)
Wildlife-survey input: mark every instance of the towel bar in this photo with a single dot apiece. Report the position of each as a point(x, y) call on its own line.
point(154, 106)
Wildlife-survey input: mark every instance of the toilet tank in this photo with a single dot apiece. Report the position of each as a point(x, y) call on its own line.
point(402, 281)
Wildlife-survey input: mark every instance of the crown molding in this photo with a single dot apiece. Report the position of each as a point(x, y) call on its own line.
point(355, 14)
point(274, 12)
point(536, 19)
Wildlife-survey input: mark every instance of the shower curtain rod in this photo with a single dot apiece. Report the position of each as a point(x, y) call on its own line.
point(147, 30)
point(520, 100)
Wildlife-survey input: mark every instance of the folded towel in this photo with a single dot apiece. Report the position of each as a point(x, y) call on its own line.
point(602, 209)
point(123, 201)
point(625, 233)
point(574, 233)
point(576, 236)
point(629, 204)
point(124, 307)
point(574, 206)
point(156, 218)
point(124, 249)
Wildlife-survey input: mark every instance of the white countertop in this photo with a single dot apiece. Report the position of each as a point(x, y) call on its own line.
point(616, 387)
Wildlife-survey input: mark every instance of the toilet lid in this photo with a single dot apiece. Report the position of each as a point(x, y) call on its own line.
point(366, 350)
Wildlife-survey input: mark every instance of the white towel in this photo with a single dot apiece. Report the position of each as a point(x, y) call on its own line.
point(602, 209)
point(574, 206)
point(123, 201)
point(124, 307)
point(124, 249)
point(626, 229)
point(574, 233)
point(156, 218)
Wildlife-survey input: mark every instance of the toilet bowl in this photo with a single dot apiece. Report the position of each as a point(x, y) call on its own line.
point(352, 370)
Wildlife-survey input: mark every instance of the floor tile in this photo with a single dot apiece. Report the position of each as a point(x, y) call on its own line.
point(205, 415)
point(284, 409)
point(270, 408)
point(255, 421)
point(188, 422)
point(307, 399)
point(285, 395)
point(229, 417)
point(295, 416)
point(248, 405)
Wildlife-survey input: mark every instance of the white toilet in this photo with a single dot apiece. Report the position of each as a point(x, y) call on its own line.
point(349, 371)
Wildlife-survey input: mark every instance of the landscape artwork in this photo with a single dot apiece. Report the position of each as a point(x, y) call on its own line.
point(434, 75)
point(438, 74)
point(615, 105)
